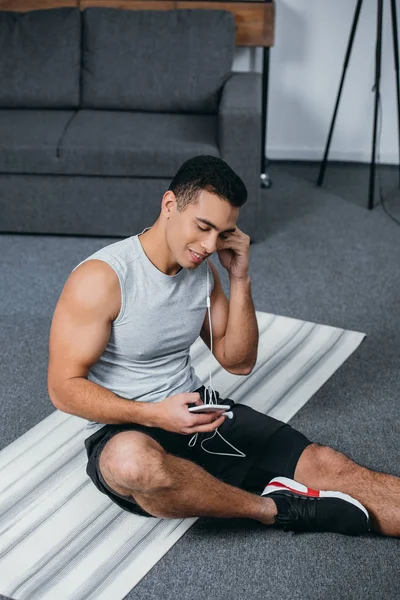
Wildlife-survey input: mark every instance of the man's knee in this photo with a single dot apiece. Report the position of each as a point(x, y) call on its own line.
point(319, 465)
point(132, 461)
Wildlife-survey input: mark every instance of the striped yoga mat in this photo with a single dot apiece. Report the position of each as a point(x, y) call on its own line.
point(61, 538)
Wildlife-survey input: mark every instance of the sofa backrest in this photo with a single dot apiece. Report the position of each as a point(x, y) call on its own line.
point(40, 58)
point(156, 61)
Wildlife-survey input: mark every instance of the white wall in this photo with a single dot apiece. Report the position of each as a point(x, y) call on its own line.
point(311, 38)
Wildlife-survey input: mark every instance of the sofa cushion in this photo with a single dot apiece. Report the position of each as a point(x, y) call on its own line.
point(29, 139)
point(156, 61)
point(40, 58)
point(135, 144)
point(105, 143)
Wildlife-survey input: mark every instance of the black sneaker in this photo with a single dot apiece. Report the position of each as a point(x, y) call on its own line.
point(302, 509)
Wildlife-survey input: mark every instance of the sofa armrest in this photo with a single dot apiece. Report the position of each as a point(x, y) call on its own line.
point(241, 95)
point(239, 140)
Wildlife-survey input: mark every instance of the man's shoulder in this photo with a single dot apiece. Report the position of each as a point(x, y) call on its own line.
point(94, 274)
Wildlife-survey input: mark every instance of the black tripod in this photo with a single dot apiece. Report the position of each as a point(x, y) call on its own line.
point(378, 60)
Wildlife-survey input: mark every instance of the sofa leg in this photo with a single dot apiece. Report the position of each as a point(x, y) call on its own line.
point(266, 181)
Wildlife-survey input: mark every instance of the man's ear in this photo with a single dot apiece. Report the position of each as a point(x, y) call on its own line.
point(168, 203)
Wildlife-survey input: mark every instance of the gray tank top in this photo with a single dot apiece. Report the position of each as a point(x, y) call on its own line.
point(147, 356)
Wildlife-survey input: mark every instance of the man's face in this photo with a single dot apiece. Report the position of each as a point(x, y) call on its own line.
point(188, 233)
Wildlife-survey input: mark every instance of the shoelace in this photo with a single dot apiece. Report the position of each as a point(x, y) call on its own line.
point(300, 516)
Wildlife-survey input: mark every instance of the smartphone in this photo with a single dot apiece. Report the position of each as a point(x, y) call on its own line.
point(208, 408)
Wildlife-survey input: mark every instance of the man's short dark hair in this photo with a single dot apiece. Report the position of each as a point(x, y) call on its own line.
point(207, 173)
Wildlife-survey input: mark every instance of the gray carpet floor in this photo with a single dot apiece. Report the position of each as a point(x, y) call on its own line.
point(326, 259)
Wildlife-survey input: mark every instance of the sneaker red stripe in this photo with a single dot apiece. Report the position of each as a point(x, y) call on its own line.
point(310, 491)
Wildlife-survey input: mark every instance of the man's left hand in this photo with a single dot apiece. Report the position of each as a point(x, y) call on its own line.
point(234, 254)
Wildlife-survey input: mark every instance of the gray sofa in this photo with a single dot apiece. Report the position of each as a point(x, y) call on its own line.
point(98, 110)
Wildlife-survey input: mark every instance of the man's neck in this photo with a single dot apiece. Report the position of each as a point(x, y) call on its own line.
point(156, 249)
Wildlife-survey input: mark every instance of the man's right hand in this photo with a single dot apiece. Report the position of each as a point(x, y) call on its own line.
point(172, 414)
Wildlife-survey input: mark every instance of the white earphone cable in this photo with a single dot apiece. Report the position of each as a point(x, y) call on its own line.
point(212, 394)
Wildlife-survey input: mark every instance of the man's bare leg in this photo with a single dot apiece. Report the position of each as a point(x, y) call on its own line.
point(168, 486)
point(193, 492)
point(324, 468)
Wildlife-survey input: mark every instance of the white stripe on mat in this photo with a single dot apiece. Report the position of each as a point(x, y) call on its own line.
point(61, 538)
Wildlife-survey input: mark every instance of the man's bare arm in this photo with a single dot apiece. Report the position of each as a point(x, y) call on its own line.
point(80, 330)
point(241, 336)
point(84, 398)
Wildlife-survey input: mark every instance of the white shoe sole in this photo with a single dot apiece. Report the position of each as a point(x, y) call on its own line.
point(284, 483)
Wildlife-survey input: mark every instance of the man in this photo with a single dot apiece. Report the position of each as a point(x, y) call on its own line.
point(119, 357)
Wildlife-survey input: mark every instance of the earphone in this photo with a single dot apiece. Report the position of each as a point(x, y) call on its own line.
point(210, 390)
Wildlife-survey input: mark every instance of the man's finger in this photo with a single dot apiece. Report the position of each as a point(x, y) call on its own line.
point(206, 418)
point(208, 427)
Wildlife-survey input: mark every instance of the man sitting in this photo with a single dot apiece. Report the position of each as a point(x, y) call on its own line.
point(119, 357)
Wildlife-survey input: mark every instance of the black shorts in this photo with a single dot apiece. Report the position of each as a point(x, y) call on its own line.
point(272, 449)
